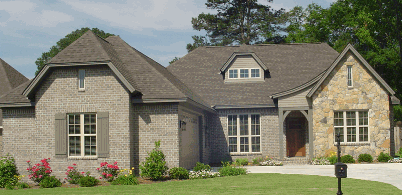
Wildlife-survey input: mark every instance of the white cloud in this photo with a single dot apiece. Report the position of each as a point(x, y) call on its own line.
point(138, 15)
point(25, 12)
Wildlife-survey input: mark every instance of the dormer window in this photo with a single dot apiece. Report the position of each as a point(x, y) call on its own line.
point(243, 73)
point(255, 73)
point(243, 68)
point(81, 80)
point(233, 73)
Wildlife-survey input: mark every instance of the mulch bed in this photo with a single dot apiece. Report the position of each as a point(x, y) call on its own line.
point(105, 183)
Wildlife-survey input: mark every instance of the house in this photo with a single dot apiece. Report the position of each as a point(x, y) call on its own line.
point(102, 100)
point(9, 79)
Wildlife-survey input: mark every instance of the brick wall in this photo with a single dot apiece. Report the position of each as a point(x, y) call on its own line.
point(218, 134)
point(154, 122)
point(29, 134)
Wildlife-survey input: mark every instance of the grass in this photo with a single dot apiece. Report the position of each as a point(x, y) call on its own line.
point(269, 183)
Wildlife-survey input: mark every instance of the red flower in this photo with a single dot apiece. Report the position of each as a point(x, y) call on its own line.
point(47, 171)
point(109, 175)
point(65, 178)
point(109, 166)
point(97, 169)
point(74, 164)
point(82, 172)
point(66, 173)
point(103, 173)
point(70, 167)
point(28, 161)
point(115, 163)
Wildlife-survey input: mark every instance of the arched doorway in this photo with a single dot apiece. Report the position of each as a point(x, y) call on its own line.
point(296, 133)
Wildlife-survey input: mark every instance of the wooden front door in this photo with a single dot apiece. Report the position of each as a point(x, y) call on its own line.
point(295, 137)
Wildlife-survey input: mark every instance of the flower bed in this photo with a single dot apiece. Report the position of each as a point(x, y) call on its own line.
point(271, 163)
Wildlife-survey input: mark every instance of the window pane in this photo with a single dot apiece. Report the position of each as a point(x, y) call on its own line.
point(71, 129)
point(232, 144)
point(243, 124)
point(255, 72)
point(93, 129)
point(233, 73)
point(77, 129)
point(349, 75)
point(351, 134)
point(70, 119)
point(363, 118)
point(86, 119)
point(350, 118)
point(363, 134)
point(93, 118)
point(255, 124)
point(75, 145)
point(87, 129)
point(81, 77)
point(77, 119)
point(244, 144)
point(255, 144)
point(232, 125)
point(243, 73)
point(339, 130)
point(338, 118)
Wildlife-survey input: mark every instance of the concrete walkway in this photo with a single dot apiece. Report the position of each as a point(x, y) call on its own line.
point(384, 172)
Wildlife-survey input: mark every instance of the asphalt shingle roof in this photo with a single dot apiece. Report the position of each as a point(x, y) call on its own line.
point(148, 77)
point(290, 65)
point(9, 78)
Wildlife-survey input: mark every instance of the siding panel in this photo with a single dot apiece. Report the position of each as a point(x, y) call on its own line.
point(244, 62)
point(294, 100)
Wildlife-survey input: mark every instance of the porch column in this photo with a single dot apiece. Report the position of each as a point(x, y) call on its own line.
point(281, 155)
point(310, 134)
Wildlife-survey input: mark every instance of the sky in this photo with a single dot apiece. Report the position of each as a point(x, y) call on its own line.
point(160, 29)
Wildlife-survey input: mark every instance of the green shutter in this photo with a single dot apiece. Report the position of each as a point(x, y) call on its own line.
point(103, 134)
point(60, 135)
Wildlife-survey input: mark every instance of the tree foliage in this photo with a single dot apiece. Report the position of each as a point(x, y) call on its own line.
point(237, 22)
point(64, 42)
point(372, 27)
point(174, 60)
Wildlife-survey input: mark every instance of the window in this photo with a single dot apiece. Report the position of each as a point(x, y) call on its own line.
point(243, 73)
point(81, 79)
point(82, 134)
point(233, 73)
point(350, 80)
point(244, 133)
point(352, 126)
point(255, 73)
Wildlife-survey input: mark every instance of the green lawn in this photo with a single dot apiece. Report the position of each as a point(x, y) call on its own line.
point(272, 183)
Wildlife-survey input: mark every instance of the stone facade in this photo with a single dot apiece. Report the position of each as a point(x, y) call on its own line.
point(366, 94)
point(218, 134)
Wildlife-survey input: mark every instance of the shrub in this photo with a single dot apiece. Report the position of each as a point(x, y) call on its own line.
point(241, 161)
point(154, 166)
point(226, 163)
point(178, 173)
point(39, 171)
point(73, 176)
point(365, 158)
point(347, 159)
point(108, 171)
point(201, 167)
point(125, 180)
point(49, 182)
point(8, 171)
point(257, 161)
point(231, 171)
point(22, 185)
point(399, 153)
point(384, 157)
point(88, 181)
point(332, 159)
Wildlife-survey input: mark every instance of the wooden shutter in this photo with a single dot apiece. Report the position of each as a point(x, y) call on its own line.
point(60, 135)
point(103, 134)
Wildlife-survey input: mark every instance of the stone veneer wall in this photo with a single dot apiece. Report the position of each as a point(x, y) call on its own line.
point(153, 122)
point(366, 94)
point(29, 134)
point(218, 134)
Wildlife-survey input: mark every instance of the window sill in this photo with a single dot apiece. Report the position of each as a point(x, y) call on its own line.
point(354, 144)
point(81, 90)
point(82, 157)
point(245, 154)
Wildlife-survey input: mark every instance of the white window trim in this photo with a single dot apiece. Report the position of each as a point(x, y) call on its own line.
point(345, 142)
point(238, 136)
point(79, 80)
point(82, 137)
point(249, 73)
point(351, 76)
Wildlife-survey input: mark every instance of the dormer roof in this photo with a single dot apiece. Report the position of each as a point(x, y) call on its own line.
point(236, 54)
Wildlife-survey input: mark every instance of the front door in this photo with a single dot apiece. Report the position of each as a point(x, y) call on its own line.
point(295, 137)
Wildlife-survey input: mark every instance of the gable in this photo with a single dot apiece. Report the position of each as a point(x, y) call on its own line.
point(248, 63)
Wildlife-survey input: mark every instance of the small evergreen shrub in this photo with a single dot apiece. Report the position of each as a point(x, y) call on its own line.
point(178, 173)
point(125, 180)
point(154, 166)
point(241, 161)
point(399, 153)
point(232, 171)
point(88, 181)
point(201, 167)
point(347, 159)
point(22, 185)
point(8, 171)
point(384, 157)
point(50, 182)
point(332, 159)
point(365, 158)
